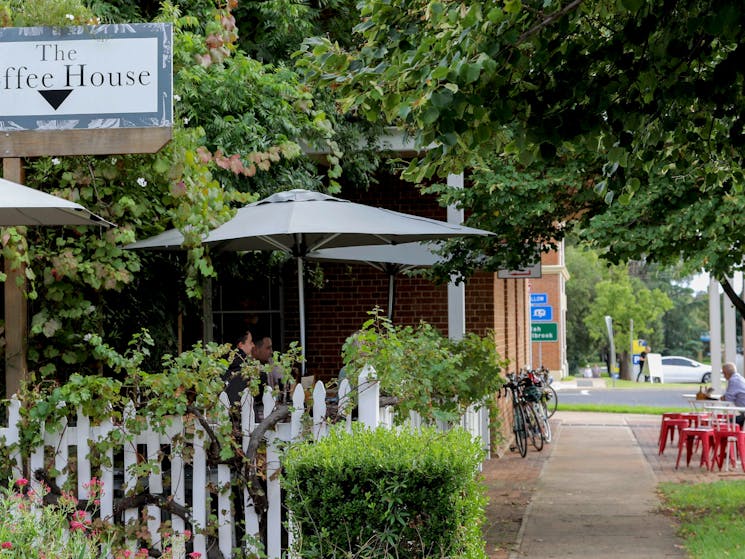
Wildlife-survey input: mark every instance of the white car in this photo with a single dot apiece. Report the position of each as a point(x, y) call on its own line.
point(682, 369)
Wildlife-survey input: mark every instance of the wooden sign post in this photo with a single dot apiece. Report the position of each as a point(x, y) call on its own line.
point(83, 90)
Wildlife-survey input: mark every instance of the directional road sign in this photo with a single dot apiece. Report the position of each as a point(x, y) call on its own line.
point(541, 313)
point(538, 298)
point(546, 332)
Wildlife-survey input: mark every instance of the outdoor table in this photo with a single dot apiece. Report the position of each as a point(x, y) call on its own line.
point(725, 408)
point(700, 405)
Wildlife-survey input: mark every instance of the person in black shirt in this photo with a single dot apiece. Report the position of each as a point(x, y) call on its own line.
point(642, 362)
point(235, 382)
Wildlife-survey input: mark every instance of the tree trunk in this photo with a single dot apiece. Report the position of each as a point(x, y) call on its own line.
point(625, 370)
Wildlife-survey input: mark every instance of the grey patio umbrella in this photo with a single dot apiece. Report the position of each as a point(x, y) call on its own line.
point(21, 205)
point(172, 239)
point(301, 221)
point(391, 259)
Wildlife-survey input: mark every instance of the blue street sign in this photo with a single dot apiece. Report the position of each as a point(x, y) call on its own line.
point(538, 298)
point(541, 313)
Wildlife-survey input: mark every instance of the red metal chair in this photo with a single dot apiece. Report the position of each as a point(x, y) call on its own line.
point(671, 426)
point(689, 435)
point(672, 422)
point(729, 439)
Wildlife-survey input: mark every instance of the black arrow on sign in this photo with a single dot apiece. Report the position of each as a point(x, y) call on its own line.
point(55, 97)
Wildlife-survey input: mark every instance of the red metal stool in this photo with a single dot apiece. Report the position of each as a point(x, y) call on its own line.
point(663, 428)
point(704, 435)
point(670, 426)
point(728, 436)
point(695, 418)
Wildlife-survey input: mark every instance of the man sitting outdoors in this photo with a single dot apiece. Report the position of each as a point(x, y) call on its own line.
point(263, 352)
point(735, 392)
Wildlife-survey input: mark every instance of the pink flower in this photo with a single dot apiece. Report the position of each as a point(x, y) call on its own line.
point(187, 534)
point(195, 555)
point(6, 545)
point(21, 482)
point(76, 525)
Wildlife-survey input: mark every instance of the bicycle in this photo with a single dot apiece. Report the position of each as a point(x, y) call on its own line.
point(537, 392)
point(525, 420)
point(549, 397)
point(518, 418)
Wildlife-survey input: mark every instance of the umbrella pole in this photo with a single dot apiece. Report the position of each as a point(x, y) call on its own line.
point(391, 294)
point(301, 304)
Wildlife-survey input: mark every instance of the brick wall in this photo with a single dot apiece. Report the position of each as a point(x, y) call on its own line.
point(552, 355)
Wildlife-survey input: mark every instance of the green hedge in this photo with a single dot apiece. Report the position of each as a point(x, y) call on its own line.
point(387, 493)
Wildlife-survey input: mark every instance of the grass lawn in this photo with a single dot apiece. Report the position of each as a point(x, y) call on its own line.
point(711, 515)
point(619, 408)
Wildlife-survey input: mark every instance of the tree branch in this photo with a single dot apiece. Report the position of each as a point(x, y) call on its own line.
point(165, 503)
point(549, 20)
point(207, 429)
point(736, 301)
point(257, 435)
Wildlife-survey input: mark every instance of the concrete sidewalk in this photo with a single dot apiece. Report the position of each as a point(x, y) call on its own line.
point(596, 494)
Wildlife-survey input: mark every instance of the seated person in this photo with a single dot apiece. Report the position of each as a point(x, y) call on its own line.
point(263, 352)
point(735, 392)
point(235, 383)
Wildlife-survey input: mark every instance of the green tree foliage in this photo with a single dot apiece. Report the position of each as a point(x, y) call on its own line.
point(585, 271)
point(685, 322)
point(529, 210)
point(624, 299)
point(689, 315)
point(644, 96)
point(237, 126)
point(644, 87)
point(675, 218)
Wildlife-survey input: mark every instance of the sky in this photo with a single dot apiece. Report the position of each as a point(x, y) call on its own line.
point(700, 282)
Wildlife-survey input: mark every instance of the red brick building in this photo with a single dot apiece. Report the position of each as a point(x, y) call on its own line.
point(548, 293)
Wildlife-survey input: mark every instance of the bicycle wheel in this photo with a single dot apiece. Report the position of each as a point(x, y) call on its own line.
point(545, 426)
point(550, 400)
point(518, 426)
point(532, 426)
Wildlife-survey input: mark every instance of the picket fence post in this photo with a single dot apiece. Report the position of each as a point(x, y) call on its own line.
point(344, 410)
point(248, 423)
point(99, 433)
point(369, 398)
point(199, 489)
point(13, 436)
point(320, 425)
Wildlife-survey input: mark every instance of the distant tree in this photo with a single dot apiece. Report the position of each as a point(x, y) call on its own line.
point(688, 317)
point(586, 270)
point(624, 298)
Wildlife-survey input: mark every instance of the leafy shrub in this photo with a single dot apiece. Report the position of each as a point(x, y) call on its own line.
point(387, 493)
point(427, 372)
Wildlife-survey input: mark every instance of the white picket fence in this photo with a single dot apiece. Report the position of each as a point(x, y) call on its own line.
point(78, 436)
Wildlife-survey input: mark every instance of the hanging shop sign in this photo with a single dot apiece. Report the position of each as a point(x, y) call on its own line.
point(102, 76)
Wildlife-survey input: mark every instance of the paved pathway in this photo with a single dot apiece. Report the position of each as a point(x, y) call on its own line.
point(596, 493)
